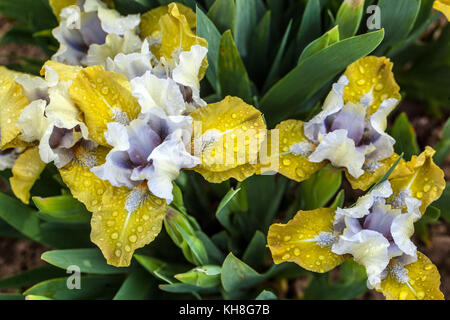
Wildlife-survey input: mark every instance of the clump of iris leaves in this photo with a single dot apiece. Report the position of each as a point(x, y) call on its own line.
point(281, 57)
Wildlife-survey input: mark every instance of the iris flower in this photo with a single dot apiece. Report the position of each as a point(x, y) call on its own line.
point(376, 232)
point(349, 132)
point(443, 6)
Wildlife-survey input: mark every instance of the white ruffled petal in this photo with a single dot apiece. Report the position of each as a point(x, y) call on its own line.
point(340, 151)
point(402, 229)
point(117, 136)
point(364, 203)
point(368, 248)
point(98, 54)
point(333, 103)
point(32, 122)
point(132, 65)
point(187, 70)
point(152, 92)
point(168, 159)
point(33, 88)
point(112, 21)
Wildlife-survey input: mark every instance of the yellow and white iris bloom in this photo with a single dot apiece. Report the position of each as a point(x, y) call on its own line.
point(121, 130)
point(349, 132)
point(376, 232)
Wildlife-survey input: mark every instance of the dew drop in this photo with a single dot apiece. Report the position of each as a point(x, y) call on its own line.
point(426, 188)
point(132, 238)
point(286, 256)
point(361, 82)
point(114, 235)
point(297, 251)
point(286, 162)
point(287, 238)
point(118, 253)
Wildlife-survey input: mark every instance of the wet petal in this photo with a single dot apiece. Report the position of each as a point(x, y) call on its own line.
point(101, 95)
point(370, 177)
point(227, 135)
point(340, 151)
point(294, 149)
point(423, 282)
point(424, 179)
point(26, 171)
point(83, 184)
point(65, 72)
point(128, 220)
point(368, 248)
point(306, 240)
point(443, 6)
point(174, 32)
point(13, 102)
point(32, 122)
point(371, 75)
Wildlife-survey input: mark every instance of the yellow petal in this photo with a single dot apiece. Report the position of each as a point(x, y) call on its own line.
point(26, 171)
point(118, 232)
point(423, 284)
point(64, 71)
point(174, 27)
point(443, 6)
point(100, 94)
point(295, 167)
point(83, 184)
point(150, 20)
point(292, 241)
point(232, 130)
point(12, 103)
point(422, 177)
point(367, 179)
point(371, 74)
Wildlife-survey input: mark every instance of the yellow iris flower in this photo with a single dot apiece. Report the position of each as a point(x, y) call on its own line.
point(366, 93)
point(320, 240)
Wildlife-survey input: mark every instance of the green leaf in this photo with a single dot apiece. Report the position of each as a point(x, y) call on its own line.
point(266, 295)
point(223, 13)
point(92, 287)
point(207, 30)
point(387, 174)
point(214, 253)
point(259, 50)
point(318, 190)
point(276, 65)
point(236, 275)
point(159, 268)
point(183, 234)
point(349, 17)
point(405, 137)
point(222, 212)
point(88, 260)
point(431, 216)
point(256, 251)
point(244, 24)
point(397, 18)
point(339, 200)
point(351, 284)
point(139, 285)
point(11, 296)
point(203, 276)
point(319, 44)
point(233, 76)
point(443, 203)
point(290, 92)
point(135, 6)
point(62, 209)
point(310, 27)
point(187, 288)
point(30, 277)
point(443, 147)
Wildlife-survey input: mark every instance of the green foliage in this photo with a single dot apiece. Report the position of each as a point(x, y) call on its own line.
point(405, 137)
